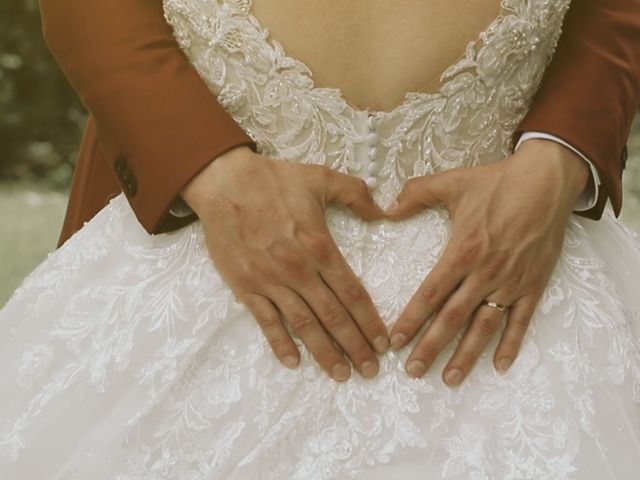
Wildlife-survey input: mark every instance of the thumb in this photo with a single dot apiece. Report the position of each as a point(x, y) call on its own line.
point(354, 193)
point(419, 193)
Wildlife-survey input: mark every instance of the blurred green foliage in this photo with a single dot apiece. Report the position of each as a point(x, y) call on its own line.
point(41, 118)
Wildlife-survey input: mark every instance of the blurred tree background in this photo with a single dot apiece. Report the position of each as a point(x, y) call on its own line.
point(42, 118)
point(41, 123)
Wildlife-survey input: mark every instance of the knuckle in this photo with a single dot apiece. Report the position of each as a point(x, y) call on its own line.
point(292, 264)
point(470, 249)
point(247, 278)
point(267, 321)
point(244, 280)
point(317, 245)
point(354, 293)
point(520, 279)
point(535, 278)
point(520, 321)
point(539, 282)
point(288, 260)
point(509, 290)
point(487, 326)
point(428, 294)
point(454, 317)
point(301, 321)
point(495, 264)
point(334, 316)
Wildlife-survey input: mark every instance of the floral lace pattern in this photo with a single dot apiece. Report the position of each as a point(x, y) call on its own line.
point(125, 356)
point(273, 97)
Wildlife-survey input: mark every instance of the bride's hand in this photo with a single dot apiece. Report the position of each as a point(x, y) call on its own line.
point(267, 236)
point(508, 223)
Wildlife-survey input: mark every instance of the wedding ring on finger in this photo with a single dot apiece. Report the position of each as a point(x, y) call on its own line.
point(497, 306)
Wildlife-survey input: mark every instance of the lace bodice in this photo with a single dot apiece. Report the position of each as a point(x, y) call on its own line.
point(468, 121)
point(166, 375)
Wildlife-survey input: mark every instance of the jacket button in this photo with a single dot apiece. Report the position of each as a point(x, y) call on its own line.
point(120, 165)
point(126, 176)
point(131, 188)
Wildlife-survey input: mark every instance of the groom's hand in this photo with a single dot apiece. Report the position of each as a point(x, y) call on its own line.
point(267, 236)
point(508, 223)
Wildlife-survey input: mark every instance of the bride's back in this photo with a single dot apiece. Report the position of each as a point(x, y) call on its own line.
point(376, 50)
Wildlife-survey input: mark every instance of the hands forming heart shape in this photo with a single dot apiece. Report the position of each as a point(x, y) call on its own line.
point(267, 236)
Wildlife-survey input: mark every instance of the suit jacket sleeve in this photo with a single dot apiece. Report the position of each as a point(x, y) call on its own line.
point(591, 89)
point(157, 122)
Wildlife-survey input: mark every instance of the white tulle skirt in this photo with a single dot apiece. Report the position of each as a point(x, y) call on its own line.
point(125, 356)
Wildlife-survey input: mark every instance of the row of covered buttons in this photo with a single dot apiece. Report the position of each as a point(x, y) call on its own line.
point(371, 140)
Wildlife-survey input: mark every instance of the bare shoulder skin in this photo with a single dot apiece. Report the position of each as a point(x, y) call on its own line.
point(376, 50)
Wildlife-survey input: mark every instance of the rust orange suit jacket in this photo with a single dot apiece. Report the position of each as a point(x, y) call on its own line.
point(154, 124)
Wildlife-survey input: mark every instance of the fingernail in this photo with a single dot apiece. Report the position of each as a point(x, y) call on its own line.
point(453, 376)
point(369, 369)
point(416, 369)
point(340, 371)
point(381, 344)
point(503, 365)
point(290, 361)
point(398, 340)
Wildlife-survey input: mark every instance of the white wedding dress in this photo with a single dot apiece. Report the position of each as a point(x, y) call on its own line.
point(125, 356)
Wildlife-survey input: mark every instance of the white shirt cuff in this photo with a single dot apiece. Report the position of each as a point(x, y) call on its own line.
point(589, 196)
point(180, 209)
